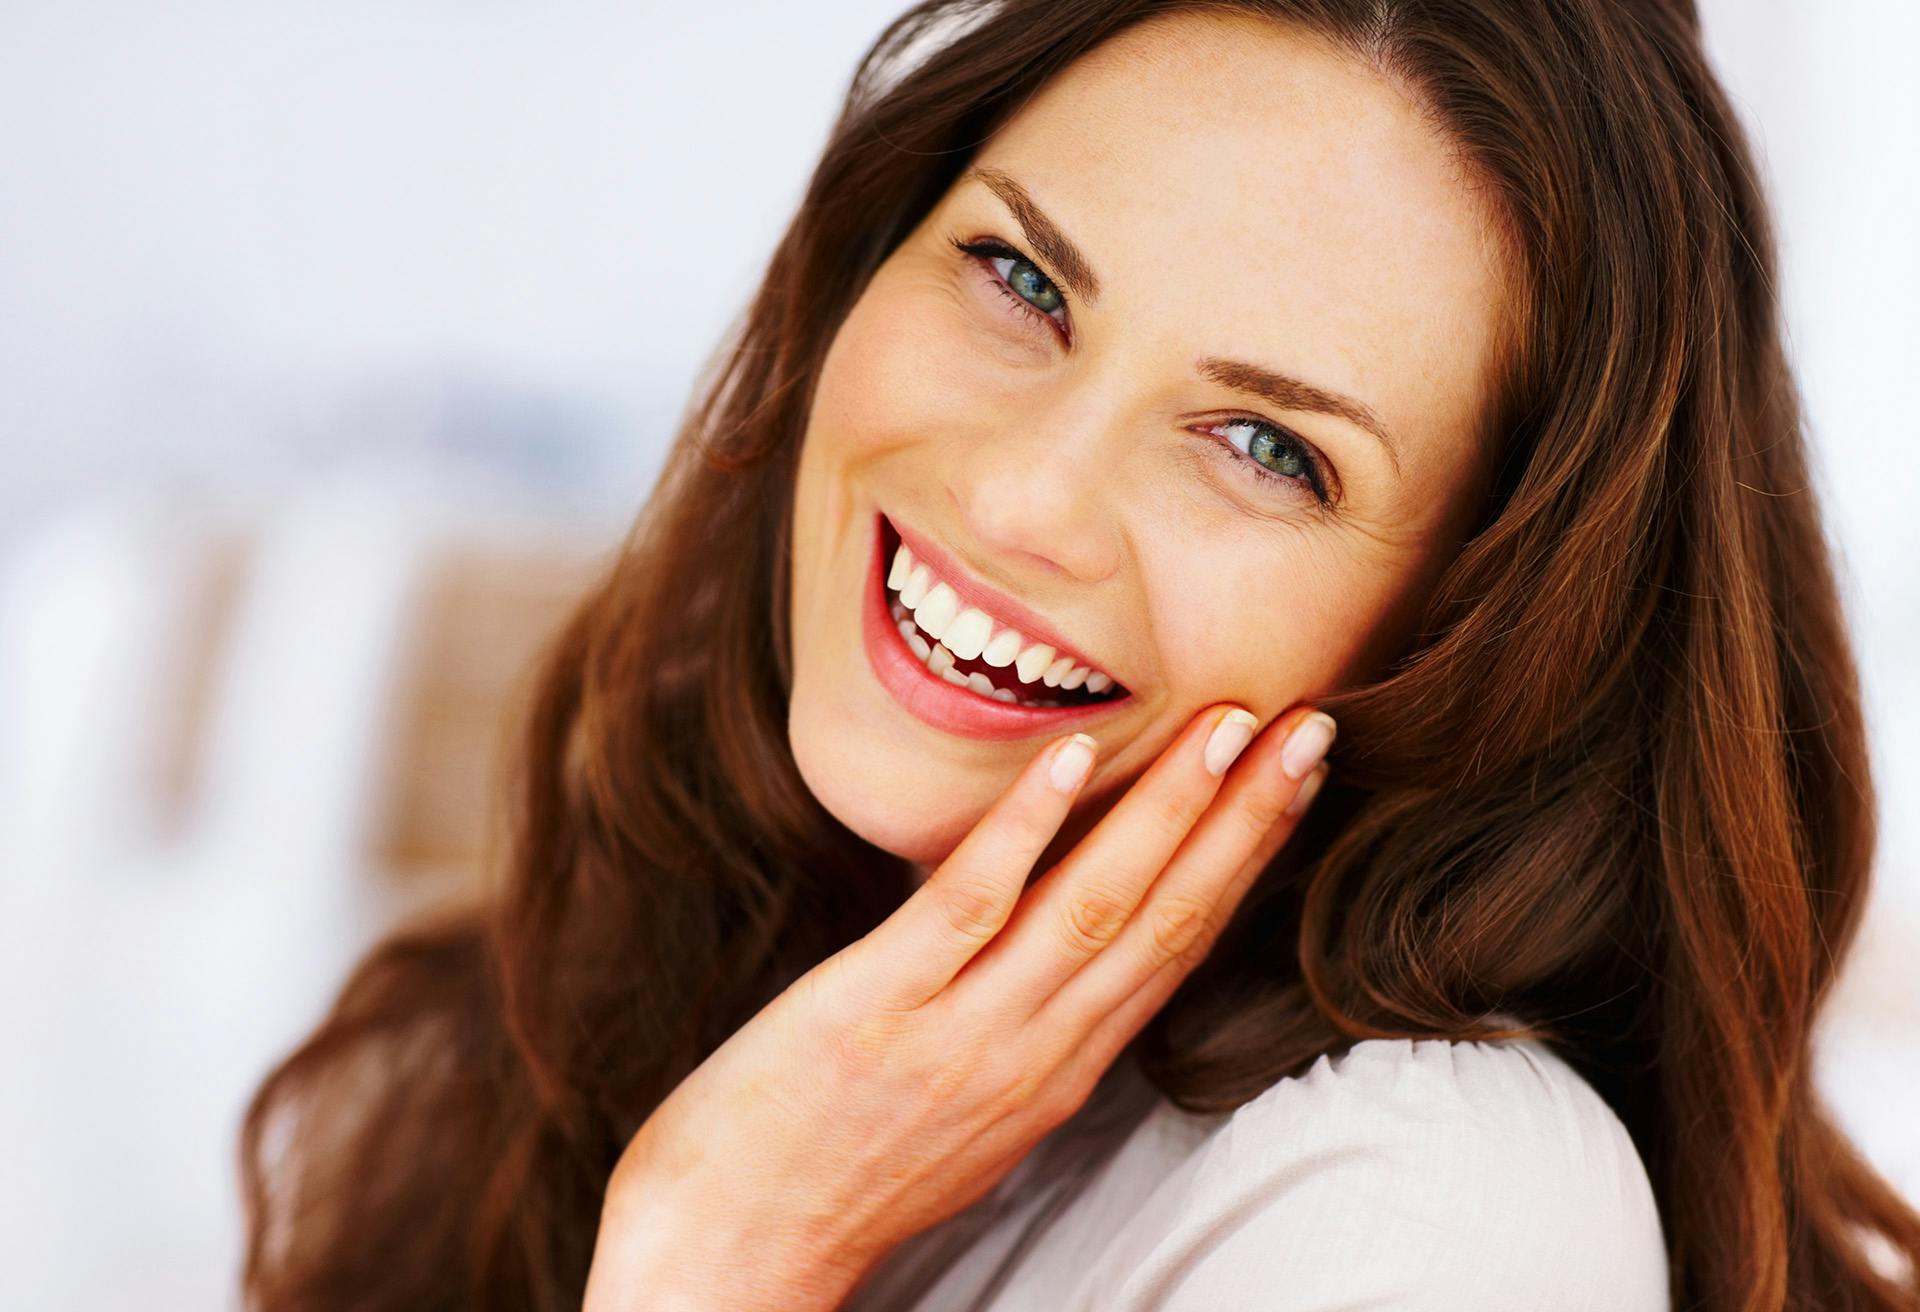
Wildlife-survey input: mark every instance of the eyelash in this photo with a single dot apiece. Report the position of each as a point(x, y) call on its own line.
point(1315, 482)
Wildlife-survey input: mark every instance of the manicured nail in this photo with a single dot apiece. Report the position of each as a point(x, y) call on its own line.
point(1229, 737)
point(1306, 744)
point(1303, 796)
point(1071, 762)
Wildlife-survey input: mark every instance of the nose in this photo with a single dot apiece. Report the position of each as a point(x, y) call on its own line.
point(1042, 496)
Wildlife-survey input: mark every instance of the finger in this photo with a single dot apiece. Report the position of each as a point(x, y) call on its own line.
point(1195, 896)
point(1081, 905)
point(967, 899)
point(1093, 1040)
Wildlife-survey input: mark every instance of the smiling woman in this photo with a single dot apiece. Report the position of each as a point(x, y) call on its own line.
point(904, 911)
point(1120, 384)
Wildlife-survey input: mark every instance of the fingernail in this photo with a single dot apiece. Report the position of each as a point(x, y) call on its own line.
point(1303, 796)
point(1070, 763)
point(1306, 744)
point(1229, 737)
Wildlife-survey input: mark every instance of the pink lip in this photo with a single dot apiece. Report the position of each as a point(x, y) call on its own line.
point(931, 698)
point(997, 604)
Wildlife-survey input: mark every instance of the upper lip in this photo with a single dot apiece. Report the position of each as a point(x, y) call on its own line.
point(1032, 627)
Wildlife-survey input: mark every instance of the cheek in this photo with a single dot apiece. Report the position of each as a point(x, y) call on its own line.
point(1301, 625)
point(896, 369)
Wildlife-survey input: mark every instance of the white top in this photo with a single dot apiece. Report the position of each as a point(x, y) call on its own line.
point(1402, 1175)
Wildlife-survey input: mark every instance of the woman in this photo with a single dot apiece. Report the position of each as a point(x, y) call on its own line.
point(1196, 367)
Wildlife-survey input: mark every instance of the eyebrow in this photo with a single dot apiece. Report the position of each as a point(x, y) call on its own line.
point(1277, 389)
point(1054, 248)
point(1292, 394)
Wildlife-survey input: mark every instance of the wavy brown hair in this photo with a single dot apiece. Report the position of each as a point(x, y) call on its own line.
point(1616, 784)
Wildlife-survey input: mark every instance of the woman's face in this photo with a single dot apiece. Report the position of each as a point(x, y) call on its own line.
point(1198, 406)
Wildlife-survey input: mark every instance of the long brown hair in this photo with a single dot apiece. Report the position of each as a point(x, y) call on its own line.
point(1616, 784)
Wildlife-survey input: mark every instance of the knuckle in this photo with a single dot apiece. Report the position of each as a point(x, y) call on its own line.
point(863, 1043)
point(1263, 810)
point(971, 907)
point(1059, 1102)
point(1172, 816)
point(1032, 824)
point(1074, 1088)
point(1092, 919)
point(1250, 829)
point(1177, 926)
point(1023, 1084)
point(825, 990)
point(958, 1077)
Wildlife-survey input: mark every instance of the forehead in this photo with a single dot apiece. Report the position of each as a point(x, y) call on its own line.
point(1252, 192)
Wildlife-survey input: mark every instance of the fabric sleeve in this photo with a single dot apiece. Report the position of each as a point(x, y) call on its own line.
point(1416, 1176)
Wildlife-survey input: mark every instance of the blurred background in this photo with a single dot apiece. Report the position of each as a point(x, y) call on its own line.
point(339, 345)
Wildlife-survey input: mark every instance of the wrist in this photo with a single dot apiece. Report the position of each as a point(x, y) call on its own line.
point(652, 1256)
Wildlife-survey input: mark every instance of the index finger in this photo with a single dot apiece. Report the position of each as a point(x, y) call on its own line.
point(1084, 902)
point(969, 897)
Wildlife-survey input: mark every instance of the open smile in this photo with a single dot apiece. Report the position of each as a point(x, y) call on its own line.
point(964, 657)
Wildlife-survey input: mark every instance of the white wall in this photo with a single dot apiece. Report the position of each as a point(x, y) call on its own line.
point(240, 238)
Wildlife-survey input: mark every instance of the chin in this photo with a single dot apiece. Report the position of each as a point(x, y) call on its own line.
point(881, 790)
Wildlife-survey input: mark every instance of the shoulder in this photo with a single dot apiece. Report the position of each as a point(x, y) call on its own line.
point(1512, 1103)
point(1418, 1174)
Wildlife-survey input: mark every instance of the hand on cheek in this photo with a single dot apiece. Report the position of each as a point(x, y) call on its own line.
point(897, 1081)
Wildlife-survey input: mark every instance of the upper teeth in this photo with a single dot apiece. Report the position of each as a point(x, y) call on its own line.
point(970, 631)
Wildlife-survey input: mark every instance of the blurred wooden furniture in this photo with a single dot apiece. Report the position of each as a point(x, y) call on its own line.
point(485, 611)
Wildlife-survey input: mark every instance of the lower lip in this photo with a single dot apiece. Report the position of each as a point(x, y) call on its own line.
point(944, 705)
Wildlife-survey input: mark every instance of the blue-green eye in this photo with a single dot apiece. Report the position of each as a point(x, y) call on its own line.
point(1029, 283)
point(1274, 453)
point(1019, 279)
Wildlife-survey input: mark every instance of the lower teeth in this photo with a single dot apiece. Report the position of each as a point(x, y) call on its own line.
point(918, 645)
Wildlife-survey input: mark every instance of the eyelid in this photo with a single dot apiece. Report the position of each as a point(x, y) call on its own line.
point(979, 250)
point(1316, 459)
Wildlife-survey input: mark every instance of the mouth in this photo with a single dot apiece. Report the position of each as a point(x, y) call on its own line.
point(967, 659)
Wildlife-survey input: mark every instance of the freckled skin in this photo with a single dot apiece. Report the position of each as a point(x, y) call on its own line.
point(1241, 191)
